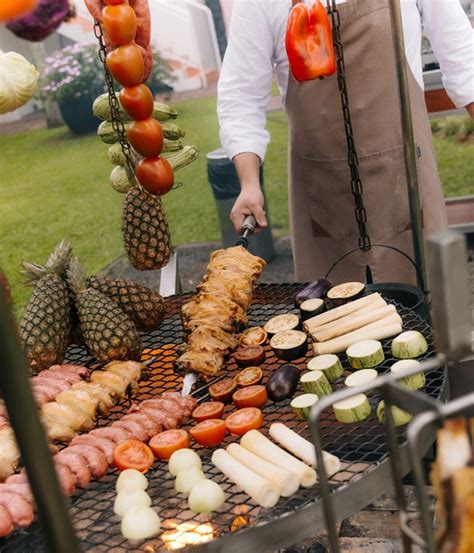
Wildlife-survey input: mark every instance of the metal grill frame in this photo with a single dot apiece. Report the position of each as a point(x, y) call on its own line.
point(292, 519)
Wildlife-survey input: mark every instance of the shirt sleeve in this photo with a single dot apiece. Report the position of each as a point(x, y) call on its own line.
point(245, 82)
point(452, 37)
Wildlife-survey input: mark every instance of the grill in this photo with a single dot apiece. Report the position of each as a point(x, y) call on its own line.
point(239, 525)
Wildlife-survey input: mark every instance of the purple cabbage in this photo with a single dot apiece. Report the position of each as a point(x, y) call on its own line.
point(43, 21)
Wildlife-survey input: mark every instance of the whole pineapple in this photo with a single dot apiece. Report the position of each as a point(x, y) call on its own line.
point(145, 231)
point(46, 324)
point(107, 331)
point(144, 306)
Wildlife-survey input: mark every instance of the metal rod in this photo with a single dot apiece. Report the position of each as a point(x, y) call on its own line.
point(408, 138)
point(23, 413)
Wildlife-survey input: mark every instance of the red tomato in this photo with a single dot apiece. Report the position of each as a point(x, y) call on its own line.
point(137, 101)
point(249, 356)
point(120, 24)
point(11, 9)
point(244, 420)
point(146, 137)
point(155, 175)
point(133, 454)
point(126, 65)
point(249, 376)
point(251, 396)
point(166, 443)
point(253, 336)
point(209, 433)
point(208, 410)
point(223, 390)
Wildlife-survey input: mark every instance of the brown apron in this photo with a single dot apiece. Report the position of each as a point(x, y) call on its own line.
point(322, 219)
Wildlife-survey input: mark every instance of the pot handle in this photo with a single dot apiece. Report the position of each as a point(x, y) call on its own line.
point(369, 272)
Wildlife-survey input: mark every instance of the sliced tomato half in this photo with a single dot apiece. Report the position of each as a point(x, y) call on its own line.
point(250, 396)
point(208, 410)
point(133, 454)
point(166, 443)
point(223, 390)
point(243, 420)
point(209, 433)
point(249, 376)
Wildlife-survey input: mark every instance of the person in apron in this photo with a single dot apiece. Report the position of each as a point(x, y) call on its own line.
point(322, 218)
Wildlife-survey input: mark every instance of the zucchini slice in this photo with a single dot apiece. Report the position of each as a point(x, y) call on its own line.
point(359, 378)
point(329, 364)
point(302, 405)
point(409, 344)
point(353, 409)
point(365, 354)
point(400, 417)
point(315, 382)
point(413, 382)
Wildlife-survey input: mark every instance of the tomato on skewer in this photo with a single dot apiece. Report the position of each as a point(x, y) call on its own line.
point(137, 101)
point(209, 433)
point(166, 443)
point(155, 175)
point(133, 454)
point(243, 420)
point(120, 24)
point(208, 410)
point(146, 137)
point(126, 65)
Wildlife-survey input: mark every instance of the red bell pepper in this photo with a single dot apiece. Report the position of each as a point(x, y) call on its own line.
point(309, 43)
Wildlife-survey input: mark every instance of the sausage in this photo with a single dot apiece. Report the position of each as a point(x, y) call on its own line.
point(96, 460)
point(66, 478)
point(142, 11)
point(43, 394)
point(166, 420)
point(20, 478)
point(51, 383)
point(95, 8)
point(151, 426)
point(78, 465)
point(135, 428)
point(115, 434)
point(187, 403)
point(19, 508)
point(21, 488)
point(104, 444)
point(6, 522)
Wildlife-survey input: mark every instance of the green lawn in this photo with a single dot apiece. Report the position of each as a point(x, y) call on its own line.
point(54, 185)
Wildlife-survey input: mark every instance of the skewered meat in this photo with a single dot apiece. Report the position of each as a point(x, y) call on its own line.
point(453, 480)
point(218, 311)
point(83, 372)
point(117, 382)
point(104, 395)
point(55, 415)
point(88, 456)
point(167, 420)
point(134, 427)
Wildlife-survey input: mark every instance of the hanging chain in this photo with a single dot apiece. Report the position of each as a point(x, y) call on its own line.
point(117, 123)
point(352, 159)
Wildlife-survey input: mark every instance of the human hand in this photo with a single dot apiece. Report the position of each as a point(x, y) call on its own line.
point(249, 202)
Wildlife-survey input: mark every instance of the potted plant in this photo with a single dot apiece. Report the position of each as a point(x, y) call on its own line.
point(74, 77)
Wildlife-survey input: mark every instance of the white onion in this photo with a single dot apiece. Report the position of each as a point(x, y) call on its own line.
point(206, 496)
point(187, 478)
point(131, 479)
point(140, 523)
point(130, 498)
point(183, 458)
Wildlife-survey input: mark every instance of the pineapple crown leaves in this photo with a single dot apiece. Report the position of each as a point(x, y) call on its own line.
point(76, 276)
point(57, 262)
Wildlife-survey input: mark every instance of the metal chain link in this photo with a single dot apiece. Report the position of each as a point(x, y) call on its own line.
point(352, 159)
point(117, 123)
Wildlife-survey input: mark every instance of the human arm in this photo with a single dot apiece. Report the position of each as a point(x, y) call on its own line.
point(452, 38)
point(244, 91)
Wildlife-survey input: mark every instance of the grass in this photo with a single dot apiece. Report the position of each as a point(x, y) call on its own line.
point(54, 186)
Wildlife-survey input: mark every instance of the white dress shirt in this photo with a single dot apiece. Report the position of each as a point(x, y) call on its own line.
point(257, 47)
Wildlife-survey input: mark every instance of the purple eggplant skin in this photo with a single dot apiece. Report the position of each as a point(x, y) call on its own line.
point(317, 289)
point(283, 383)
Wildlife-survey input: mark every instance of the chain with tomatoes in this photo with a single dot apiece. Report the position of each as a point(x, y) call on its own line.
point(126, 26)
